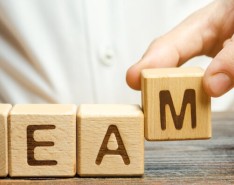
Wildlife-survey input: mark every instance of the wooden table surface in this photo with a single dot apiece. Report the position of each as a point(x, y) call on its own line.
point(177, 162)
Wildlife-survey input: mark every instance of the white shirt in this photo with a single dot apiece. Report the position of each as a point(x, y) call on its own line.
point(78, 51)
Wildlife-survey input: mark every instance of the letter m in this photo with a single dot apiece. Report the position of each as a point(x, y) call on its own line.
point(165, 99)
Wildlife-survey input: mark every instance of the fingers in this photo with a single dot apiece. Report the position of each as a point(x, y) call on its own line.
point(219, 76)
point(173, 49)
point(169, 51)
point(201, 33)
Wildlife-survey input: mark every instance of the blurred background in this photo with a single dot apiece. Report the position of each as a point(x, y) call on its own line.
point(78, 51)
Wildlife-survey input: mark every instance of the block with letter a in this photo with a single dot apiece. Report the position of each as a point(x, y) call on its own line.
point(42, 140)
point(175, 104)
point(110, 140)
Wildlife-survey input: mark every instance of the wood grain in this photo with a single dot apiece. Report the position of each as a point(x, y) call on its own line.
point(176, 162)
point(175, 104)
point(42, 140)
point(4, 111)
point(110, 140)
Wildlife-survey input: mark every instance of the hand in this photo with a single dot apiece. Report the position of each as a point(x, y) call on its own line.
point(208, 31)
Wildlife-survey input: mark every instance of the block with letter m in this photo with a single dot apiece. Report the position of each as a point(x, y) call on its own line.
point(175, 104)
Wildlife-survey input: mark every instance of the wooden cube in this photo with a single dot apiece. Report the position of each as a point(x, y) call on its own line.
point(4, 111)
point(42, 140)
point(175, 104)
point(110, 140)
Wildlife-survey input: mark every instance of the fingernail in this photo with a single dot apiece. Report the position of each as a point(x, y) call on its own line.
point(219, 84)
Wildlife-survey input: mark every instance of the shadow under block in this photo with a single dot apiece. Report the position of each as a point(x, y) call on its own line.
point(110, 140)
point(42, 140)
point(175, 104)
point(4, 111)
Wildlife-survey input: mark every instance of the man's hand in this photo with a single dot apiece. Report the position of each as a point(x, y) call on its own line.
point(208, 31)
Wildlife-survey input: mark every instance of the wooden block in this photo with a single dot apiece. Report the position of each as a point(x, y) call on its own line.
point(175, 104)
point(110, 140)
point(42, 140)
point(4, 111)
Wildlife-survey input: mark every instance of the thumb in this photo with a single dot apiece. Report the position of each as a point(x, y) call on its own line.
point(219, 76)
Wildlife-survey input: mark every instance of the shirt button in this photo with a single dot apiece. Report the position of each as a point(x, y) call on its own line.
point(107, 56)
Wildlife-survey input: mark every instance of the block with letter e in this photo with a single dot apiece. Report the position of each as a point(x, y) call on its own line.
point(175, 104)
point(110, 140)
point(42, 140)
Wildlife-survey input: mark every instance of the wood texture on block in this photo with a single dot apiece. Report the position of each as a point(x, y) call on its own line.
point(197, 162)
point(175, 104)
point(4, 111)
point(110, 140)
point(42, 140)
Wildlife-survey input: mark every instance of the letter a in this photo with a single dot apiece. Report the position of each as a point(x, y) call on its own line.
point(119, 151)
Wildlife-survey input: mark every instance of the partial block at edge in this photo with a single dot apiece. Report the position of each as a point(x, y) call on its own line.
point(4, 111)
